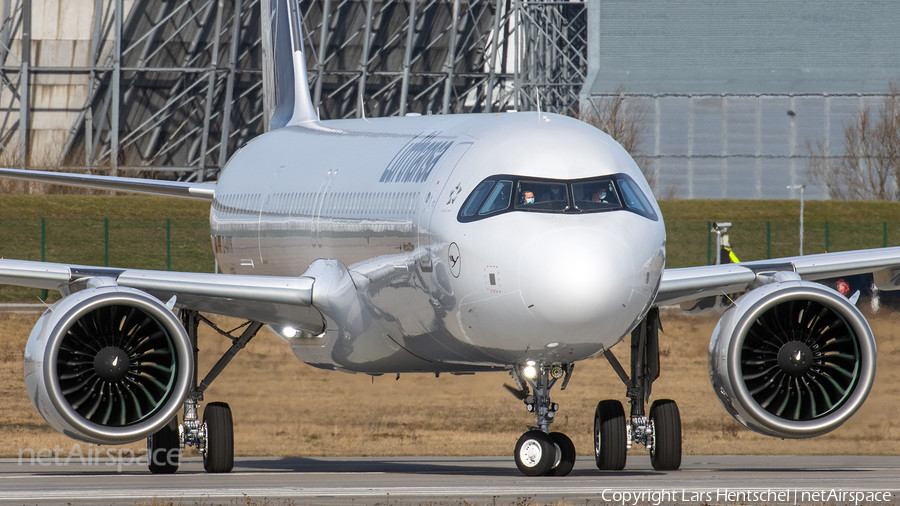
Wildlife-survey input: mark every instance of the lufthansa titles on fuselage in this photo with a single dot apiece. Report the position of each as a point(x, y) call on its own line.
point(415, 161)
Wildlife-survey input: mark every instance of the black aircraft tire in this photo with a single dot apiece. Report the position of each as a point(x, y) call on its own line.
point(219, 456)
point(566, 457)
point(666, 419)
point(164, 449)
point(535, 453)
point(610, 447)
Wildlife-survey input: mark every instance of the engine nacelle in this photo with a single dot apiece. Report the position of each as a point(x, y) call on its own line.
point(108, 365)
point(792, 359)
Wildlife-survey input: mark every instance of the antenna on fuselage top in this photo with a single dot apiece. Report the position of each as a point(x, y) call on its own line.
point(537, 100)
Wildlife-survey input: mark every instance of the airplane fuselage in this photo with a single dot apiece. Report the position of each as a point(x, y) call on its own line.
point(448, 289)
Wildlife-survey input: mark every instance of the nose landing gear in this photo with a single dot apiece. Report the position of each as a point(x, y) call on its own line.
point(540, 452)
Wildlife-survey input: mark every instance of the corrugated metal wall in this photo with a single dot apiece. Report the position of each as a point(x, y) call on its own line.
point(733, 91)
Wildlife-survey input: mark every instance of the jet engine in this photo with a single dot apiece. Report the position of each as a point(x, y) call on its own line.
point(792, 359)
point(108, 365)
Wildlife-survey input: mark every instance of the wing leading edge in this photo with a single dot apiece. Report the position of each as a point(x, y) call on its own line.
point(269, 299)
point(196, 191)
point(691, 283)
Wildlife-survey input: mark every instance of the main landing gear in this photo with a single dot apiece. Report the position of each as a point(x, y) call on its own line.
point(660, 433)
point(540, 452)
point(214, 436)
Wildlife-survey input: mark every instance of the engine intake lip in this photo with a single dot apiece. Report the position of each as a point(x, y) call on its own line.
point(855, 390)
point(75, 307)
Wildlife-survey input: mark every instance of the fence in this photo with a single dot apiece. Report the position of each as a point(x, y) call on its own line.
point(183, 244)
point(140, 243)
point(692, 242)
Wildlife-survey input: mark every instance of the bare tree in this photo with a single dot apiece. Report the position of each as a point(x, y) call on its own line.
point(624, 121)
point(870, 166)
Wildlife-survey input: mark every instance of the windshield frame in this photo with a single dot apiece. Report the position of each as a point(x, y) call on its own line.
point(616, 202)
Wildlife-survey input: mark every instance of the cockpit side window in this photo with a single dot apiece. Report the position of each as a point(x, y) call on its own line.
point(634, 198)
point(470, 207)
point(499, 199)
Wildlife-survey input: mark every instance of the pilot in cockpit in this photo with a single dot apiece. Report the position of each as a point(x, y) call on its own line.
point(557, 193)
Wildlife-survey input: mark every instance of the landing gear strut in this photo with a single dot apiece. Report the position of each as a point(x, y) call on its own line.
point(660, 433)
point(214, 436)
point(540, 452)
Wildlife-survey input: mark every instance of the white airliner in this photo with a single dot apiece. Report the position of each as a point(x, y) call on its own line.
point(520, 242)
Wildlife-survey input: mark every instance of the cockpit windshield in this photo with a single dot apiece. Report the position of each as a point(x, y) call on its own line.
point(542, 195)
point(596, 195)
point(499, 194)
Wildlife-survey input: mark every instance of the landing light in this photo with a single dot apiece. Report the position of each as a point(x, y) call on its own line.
point(289, 332)
point(529, 371)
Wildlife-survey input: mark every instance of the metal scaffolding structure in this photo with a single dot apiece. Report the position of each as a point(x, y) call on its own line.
point(176, 85)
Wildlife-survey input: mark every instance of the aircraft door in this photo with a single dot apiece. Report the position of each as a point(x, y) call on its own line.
point(319, 207)
point(267, 223)
point(433, 271)
point(436, 190)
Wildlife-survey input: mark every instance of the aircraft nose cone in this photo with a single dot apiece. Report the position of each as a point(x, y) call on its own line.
point(576, 276)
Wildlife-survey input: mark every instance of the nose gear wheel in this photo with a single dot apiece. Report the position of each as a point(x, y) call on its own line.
point(565, 458)
point(535, 453)
point(540, 452)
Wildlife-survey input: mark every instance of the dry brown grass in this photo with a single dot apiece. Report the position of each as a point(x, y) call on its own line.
point(283, 407)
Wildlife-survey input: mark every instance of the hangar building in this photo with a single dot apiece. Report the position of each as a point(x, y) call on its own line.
point(732, 91)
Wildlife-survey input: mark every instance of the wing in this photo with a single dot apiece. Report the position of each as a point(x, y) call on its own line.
point(690, 283)
point(197, 191)
point(269, 299)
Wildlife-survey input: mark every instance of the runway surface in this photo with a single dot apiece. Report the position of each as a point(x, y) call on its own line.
point(458, 480)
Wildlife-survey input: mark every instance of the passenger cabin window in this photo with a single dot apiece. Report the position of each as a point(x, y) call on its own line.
point(501, 194)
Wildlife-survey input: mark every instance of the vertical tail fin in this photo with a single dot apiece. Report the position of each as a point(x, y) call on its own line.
point(286, 95)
